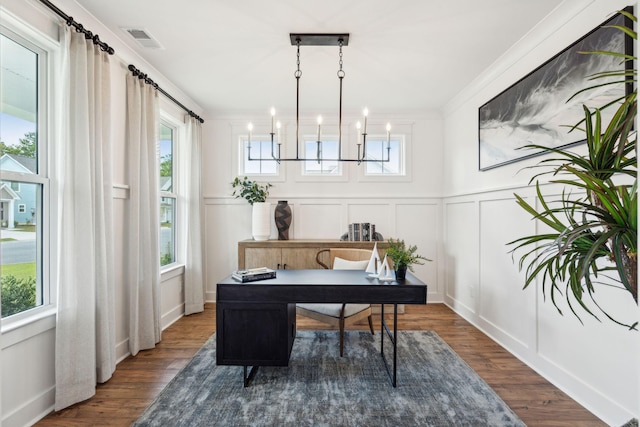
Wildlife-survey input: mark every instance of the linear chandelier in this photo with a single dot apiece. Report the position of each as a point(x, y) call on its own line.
point(315, 39)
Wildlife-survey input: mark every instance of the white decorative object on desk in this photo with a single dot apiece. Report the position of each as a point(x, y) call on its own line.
point(374, 262)
point(386, 273)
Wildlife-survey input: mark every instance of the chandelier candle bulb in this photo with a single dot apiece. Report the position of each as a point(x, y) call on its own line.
point(250, 128)
point(366, 113)
point(319, 124)
point(273, 116)
point(388, 132)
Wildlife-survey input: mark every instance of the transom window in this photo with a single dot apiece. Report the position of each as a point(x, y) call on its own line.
point(327, 152)
point(379, 148)
point(260, 149)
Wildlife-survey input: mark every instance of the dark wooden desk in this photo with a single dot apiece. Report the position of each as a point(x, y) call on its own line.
point(256, 321)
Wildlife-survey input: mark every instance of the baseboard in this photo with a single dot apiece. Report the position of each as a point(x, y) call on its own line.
point(32, 411)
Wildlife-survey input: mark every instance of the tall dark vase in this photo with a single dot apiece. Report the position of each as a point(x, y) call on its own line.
point(282, 216)
point(401, 273)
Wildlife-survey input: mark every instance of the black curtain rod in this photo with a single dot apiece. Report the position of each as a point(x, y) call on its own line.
point(147, 80)
point(105, 47)
point(79, 27)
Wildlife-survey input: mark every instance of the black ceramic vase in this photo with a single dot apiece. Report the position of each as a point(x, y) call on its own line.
point(401, 272)
point(282, 217)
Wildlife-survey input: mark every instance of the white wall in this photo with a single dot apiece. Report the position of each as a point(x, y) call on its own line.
point(322, 208)
point(27, 350)
point(597, 364)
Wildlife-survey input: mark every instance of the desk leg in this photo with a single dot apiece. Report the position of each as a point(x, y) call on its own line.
point(252, 373)
point(394, 340)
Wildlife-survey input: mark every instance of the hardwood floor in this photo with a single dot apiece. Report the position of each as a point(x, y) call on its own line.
point(139, 379)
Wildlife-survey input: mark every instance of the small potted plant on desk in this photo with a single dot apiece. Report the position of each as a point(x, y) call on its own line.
point(256, 195)
point(403, 257)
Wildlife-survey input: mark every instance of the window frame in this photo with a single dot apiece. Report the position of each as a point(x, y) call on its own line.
point(48, 57)
point(402, 132)
point(313, 154)
point(167, 121)
point(242, 156)
point(401, 154)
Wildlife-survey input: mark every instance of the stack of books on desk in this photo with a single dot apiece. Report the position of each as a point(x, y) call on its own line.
point(253, 274)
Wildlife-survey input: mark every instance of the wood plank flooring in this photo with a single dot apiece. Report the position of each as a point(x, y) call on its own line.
point(139, 379)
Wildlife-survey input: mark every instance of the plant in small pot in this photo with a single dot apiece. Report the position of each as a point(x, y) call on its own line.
point(256, 194)
point(403, 257)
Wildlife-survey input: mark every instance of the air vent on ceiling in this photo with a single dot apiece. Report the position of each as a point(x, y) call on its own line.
point(143, 37)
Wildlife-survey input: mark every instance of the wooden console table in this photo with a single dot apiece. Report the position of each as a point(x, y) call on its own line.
point(256, 321)
point(293, 254)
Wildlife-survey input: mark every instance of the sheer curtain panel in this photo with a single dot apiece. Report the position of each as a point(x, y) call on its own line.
point(194, 292)
point(143, 257)
point(85, 327)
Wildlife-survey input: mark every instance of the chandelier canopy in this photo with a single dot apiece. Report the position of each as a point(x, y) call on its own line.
point(318, 39)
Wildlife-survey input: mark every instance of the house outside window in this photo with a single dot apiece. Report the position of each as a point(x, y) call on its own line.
point(24, 182)
point(168, 195)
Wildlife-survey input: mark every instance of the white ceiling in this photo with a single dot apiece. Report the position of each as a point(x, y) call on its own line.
point(403, 55)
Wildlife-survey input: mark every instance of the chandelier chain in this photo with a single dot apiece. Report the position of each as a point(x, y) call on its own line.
point(340, 71)
point(298, 73)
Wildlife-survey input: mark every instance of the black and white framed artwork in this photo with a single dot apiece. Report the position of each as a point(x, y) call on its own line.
point(536, 110)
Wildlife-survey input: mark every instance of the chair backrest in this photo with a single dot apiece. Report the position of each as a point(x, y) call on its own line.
point(343, 253)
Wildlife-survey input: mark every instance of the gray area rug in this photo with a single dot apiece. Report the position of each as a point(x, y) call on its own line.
point(319, 388)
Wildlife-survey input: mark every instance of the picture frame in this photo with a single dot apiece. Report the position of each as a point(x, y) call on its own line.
point(535, 109)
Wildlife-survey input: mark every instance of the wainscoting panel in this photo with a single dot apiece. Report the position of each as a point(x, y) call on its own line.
point(462, 255)
point(502, 302)
point(317, 220)
point(379, 214)
point(419, 224)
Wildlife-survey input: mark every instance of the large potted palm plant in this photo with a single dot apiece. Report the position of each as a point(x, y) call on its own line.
point(592, 237)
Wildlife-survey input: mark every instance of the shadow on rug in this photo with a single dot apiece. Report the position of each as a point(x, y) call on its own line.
point(319, 388)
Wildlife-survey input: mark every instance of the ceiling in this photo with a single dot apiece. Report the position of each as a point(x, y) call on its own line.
point(235, 56)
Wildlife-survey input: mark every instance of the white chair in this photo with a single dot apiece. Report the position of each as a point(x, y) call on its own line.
point(340, 315)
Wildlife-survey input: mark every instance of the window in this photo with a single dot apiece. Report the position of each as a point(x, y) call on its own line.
point(23, 175)
point(380, 148)
point(168, 195)
point(327, 152)
point(260, 149)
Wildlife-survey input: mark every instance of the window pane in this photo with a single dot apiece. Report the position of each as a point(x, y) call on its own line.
point(259, 150)
point(20, 243)
point(377, 150)
point(166, 159)
point(167, 230)
point(326, 150)
point(18, 107)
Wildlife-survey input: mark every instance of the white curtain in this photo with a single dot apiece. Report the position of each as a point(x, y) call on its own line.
point(85, 329)
point(143, 228)
point(194, 291)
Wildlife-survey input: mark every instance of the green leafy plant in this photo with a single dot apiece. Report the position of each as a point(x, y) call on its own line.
point(592, 239)
point(401, 254)
point(17, 294)
point(250, 190)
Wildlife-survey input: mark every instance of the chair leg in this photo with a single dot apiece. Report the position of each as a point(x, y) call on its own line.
point(341, 335)
point(371, 325)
